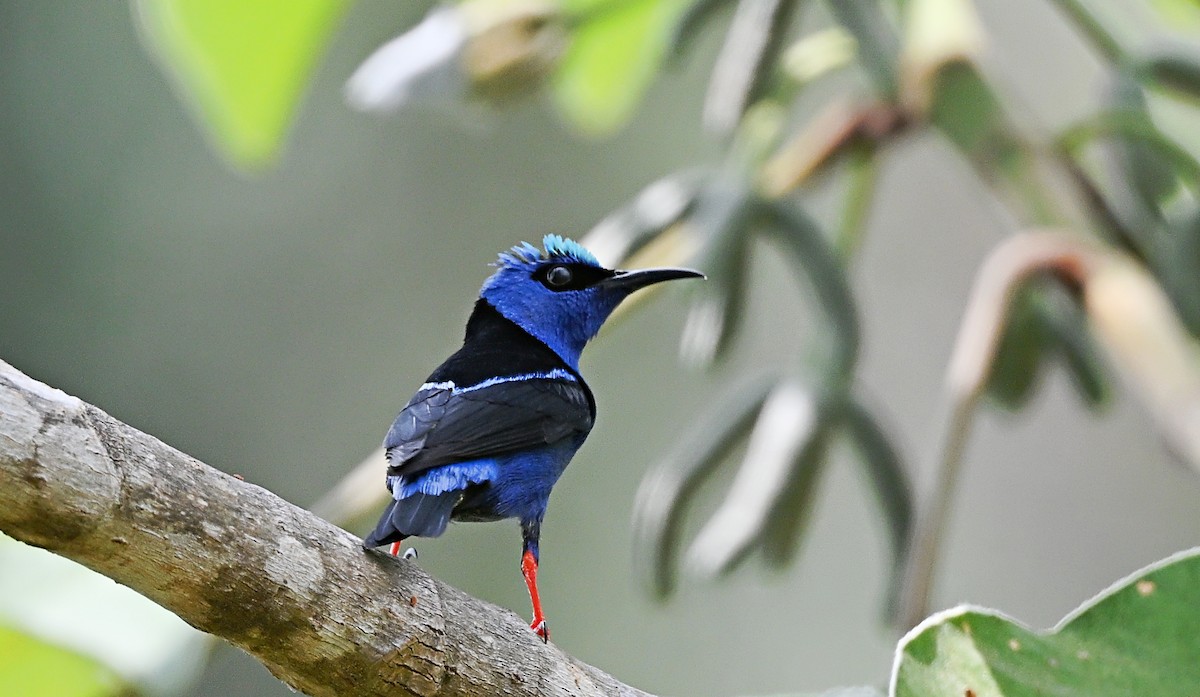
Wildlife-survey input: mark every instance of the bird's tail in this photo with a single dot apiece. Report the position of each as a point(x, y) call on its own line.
point(416, 515)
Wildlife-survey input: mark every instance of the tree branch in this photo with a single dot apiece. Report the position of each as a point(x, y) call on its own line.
point(233, 559)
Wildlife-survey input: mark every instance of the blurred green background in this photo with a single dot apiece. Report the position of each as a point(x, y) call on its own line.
point(273, 325)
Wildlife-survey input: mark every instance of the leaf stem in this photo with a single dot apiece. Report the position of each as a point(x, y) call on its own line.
point(856, 206)
point(917, 586)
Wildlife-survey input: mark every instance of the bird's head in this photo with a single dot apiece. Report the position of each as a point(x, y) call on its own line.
point(562, 295)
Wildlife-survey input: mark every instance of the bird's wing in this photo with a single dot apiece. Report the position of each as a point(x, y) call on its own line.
point(442, 425)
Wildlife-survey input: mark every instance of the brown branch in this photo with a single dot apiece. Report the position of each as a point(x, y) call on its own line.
point(237, 561)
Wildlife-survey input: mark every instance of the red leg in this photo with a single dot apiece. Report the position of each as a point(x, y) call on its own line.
point(395, 549)
point(529, 566)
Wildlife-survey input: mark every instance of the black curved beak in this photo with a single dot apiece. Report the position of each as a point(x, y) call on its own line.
point(633, 280)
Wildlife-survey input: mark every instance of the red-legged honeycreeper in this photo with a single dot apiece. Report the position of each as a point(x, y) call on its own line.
point(488, 434)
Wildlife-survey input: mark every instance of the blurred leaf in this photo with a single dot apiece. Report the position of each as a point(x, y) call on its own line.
point(863, 164)
point(1083, 17)
point(832, 130)
point(790, 419)
point(747, 61)
point(1041, 322)
point(514, 45)
point(31, 668)
point(1135, 323)
point(242, 65)
point(875, 38)
point(890, 483)
point(690, 24)
point(1153, 197)
point(942, 41)
point(1044, 323)
point(1150, 175)
point(840, 130)
point(803, 241)
point(1072, 340)
point(968, 113)
point(1017, 363)
point(1154, 193)
point(71, 606)
point(720, 217)
point(1133, 125)
point(971, 116)
point(1176, 69)
point(716, 310)
point(1180, 15)
point(1004, 271)
point(937, 33)
point(1184, 235)
point(615, 52)
point(656, 208)
point(1153, 167)
point(818, 54)
point(1137, 638)
point(425, 64)
point(479, 51)
point(669, 486)
point(791, 512)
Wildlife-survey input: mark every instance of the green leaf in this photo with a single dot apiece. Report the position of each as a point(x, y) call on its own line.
point(1179, 15)
point(616, 49)
point(1072, 340)
point(788, 520)
point(721, 216)
point(747, 62)
point(773, 485)
point(691, 23)
point(1177, 70)
point(672, 484)
point(1045, 322)
point(889, 482)
point(1151, 176)
point(32, 668)
point(801, 237)
point(971, 116)
point(241, 65)
point(1137, 638)
point(877, 41)
point(1017, 365)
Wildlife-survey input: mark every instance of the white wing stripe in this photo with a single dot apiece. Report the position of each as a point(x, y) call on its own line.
point(556, 374)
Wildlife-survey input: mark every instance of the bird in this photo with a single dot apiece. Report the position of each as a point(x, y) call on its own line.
point(488, 434)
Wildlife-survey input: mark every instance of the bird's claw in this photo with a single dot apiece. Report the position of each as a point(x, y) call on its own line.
point(539, 627)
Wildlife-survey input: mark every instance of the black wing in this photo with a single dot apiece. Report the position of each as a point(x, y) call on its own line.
point(441, 426)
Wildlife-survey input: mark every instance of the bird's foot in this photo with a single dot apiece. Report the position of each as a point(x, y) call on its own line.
point(410, 553)
point(539, 627)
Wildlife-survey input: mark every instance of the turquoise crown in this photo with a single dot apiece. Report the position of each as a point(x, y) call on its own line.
point(557, 248)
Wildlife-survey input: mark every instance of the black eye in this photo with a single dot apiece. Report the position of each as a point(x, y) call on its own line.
point(558, 276)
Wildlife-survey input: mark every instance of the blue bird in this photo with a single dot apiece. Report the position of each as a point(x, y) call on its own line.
point(488, 434)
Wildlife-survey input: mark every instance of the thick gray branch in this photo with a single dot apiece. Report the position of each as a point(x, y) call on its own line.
point(235, 560)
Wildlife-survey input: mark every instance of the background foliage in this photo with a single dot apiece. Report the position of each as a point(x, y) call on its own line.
point(268, 324)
